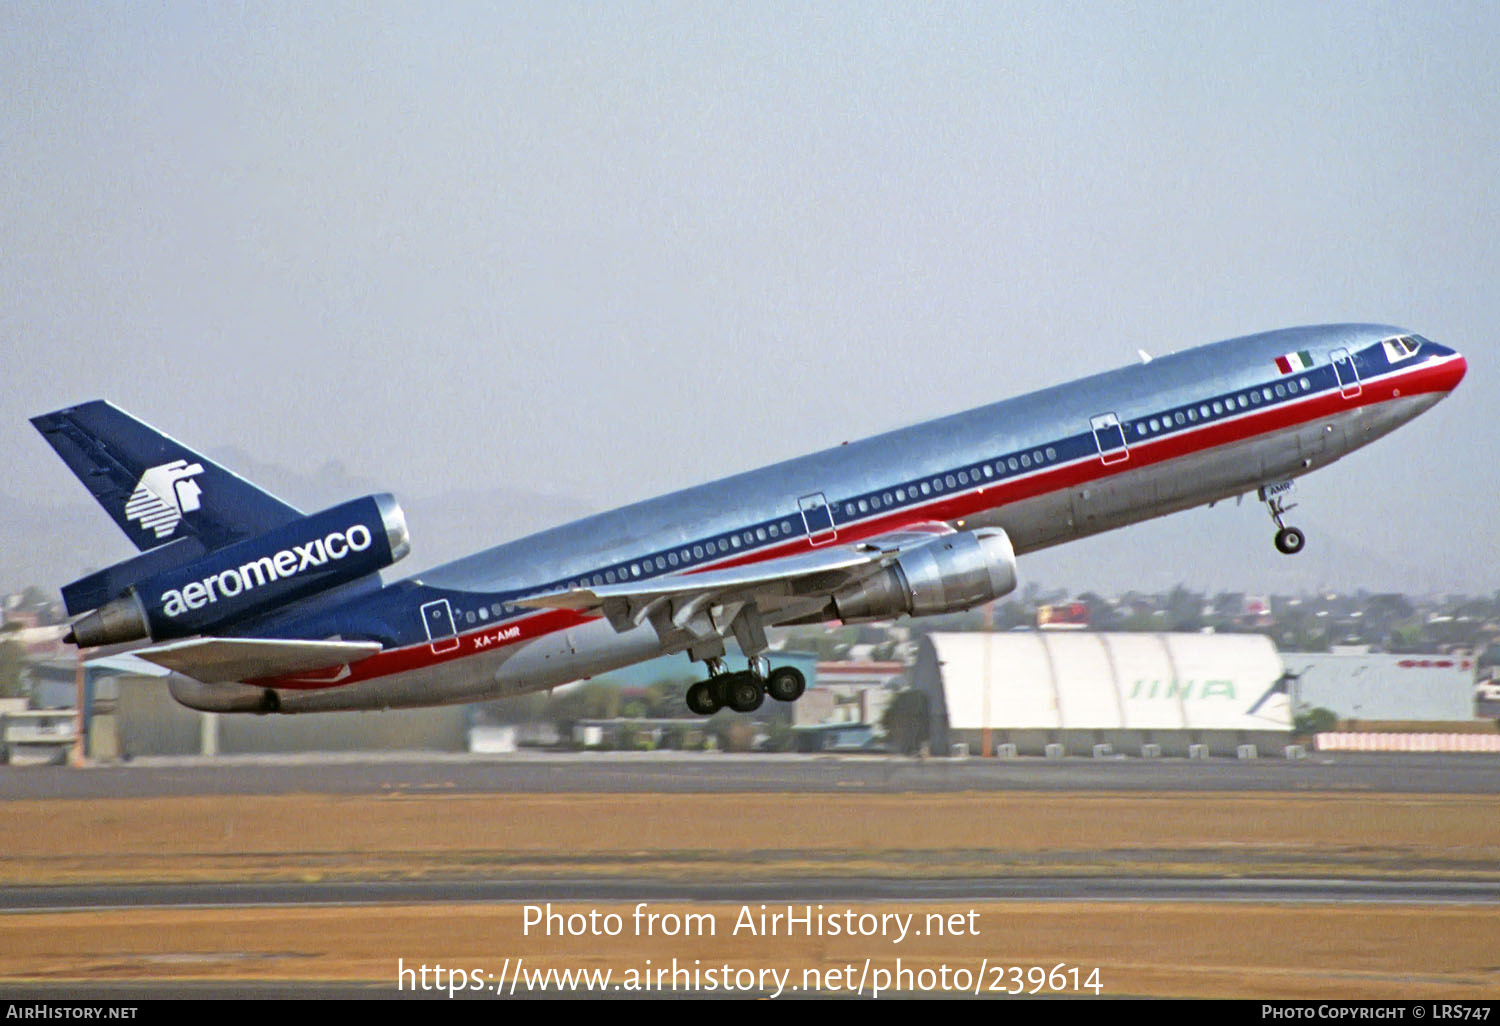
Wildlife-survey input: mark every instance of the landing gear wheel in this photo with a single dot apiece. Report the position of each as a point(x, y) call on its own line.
point(786, 684)
point(745, 693)
point(1290, 540)
point(702, 700)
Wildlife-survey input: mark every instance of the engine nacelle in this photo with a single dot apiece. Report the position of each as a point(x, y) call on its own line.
point(222, 698)
point(239, 581)
point(948, 575)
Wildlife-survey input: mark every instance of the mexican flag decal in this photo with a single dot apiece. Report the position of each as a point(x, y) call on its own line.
point(1291, 363)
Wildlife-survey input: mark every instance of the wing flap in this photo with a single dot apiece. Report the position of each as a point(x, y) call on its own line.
point(220, 660)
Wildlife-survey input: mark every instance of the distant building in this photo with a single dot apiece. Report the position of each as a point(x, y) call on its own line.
point(848, 692)
point(1063, 616)
point(1357, 685)
point(1078, 690)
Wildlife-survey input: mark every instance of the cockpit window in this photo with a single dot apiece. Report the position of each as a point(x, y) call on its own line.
point(1401, 348)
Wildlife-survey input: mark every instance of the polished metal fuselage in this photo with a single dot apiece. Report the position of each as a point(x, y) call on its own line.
point(1077, 487)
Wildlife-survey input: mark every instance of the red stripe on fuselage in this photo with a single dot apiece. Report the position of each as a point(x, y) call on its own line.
point(1426, 378)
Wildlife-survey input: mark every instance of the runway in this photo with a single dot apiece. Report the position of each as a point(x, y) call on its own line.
point(648, 889)
point(1348, 875)
point(693, 773)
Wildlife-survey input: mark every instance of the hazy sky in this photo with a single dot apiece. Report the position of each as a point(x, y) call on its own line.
point(605, 251)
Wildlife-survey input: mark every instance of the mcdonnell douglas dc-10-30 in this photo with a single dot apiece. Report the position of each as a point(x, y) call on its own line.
point(260, 608)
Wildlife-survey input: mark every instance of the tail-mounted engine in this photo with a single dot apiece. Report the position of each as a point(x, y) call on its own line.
point(953, 573)
point(239, 581)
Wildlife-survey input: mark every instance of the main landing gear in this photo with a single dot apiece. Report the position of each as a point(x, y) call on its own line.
point(744, 691)
point(1289, 540)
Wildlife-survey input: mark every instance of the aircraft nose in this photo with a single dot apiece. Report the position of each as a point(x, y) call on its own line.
point(1454, 371)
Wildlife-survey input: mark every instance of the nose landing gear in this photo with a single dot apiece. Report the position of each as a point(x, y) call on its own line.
point(1289, 540)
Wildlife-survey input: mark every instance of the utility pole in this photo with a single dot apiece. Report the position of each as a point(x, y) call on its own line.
point(986, 748)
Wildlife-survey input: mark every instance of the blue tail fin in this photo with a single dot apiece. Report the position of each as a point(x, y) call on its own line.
point(156, 489)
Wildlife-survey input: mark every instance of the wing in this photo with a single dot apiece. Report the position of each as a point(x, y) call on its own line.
point(697, 610)
point(217, 660)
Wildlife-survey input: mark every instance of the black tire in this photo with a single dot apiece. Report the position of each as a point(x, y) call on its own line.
point(745, 693)
point(701, 699)
point(786, 684)
point(1290, 540)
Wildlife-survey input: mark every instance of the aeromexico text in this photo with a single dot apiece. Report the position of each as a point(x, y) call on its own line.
point(259, 572)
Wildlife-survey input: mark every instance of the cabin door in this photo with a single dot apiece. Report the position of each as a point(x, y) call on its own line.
point(437, 621)
point(817, 518)
point(1110, 438)
point(1343, 367)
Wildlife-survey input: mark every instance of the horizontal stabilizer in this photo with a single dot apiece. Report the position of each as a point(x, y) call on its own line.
point(99, 587)
point(218, 660)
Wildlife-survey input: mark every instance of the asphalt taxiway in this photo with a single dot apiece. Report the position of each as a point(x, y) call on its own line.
point(717, 773)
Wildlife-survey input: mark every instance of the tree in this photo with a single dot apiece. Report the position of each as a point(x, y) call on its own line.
point(1184, 610)
point(596, 700)
point(12, 662)
point(1314, 721)
point(907, 722)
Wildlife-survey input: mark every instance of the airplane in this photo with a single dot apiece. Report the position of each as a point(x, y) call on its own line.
point(261, 608)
